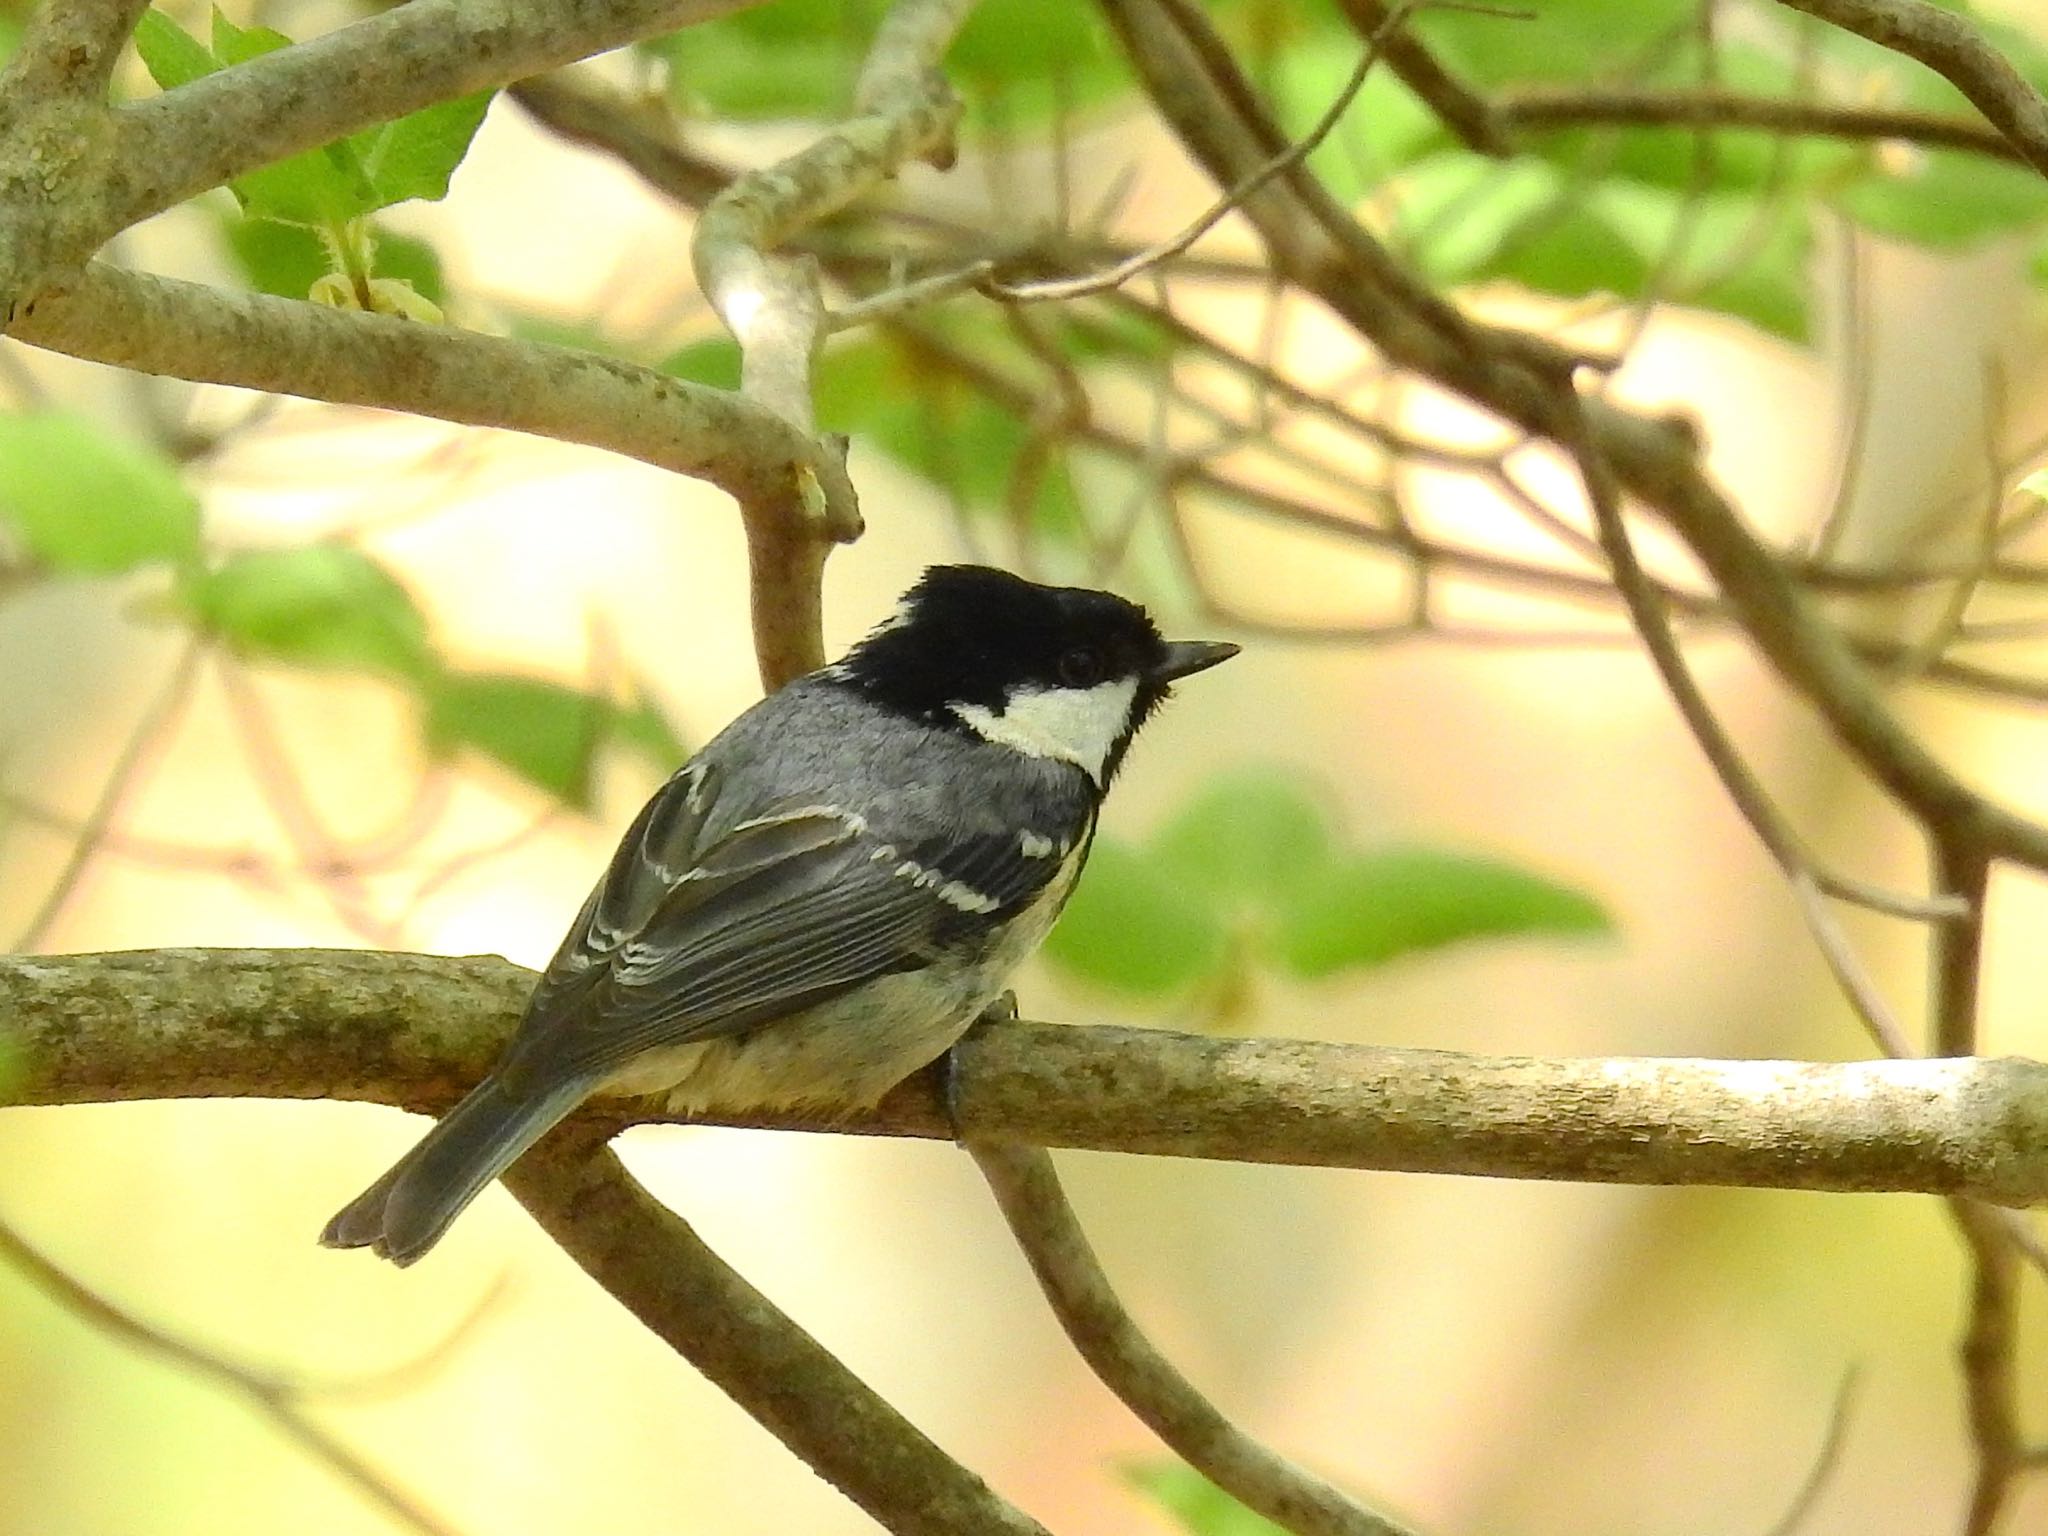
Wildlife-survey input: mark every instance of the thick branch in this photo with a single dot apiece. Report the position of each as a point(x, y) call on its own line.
point(73, 174)
point(415, 1030)
point(647, 1257)
point(177, 144)
point(69, 49)
point(189, 331)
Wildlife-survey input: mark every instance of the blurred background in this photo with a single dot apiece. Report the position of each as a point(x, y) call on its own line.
point(1480, 1356)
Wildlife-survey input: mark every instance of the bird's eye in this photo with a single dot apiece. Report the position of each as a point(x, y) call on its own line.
point(1081, 667)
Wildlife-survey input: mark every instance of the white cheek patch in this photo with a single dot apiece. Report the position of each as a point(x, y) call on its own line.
point(1071, 725)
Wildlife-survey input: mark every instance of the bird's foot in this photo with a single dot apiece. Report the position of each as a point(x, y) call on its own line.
point(1001, 1011)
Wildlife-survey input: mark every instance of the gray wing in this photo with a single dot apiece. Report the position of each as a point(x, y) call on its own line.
point(692, 936)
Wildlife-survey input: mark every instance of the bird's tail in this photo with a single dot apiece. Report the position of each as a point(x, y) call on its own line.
point(404, 1213)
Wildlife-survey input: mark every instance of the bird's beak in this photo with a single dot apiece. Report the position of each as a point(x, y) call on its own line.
point(1186, 657)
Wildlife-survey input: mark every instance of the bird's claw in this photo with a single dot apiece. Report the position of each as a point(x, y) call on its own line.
point(1001, 1011)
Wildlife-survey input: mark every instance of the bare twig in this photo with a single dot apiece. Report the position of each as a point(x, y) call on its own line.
point(1534, 108)
point(1947, 43)
point(1473, 117)
point(1095, 1321)
point(274, 1397)
point(1123, 271)
point(1988, 1354)
point(1825, 1460)
point(135, 752)
point(1199, 89)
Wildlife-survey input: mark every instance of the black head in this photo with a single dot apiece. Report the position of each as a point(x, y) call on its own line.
point(1061, 671)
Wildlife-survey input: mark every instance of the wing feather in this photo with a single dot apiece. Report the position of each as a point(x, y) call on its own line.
point(695, 933)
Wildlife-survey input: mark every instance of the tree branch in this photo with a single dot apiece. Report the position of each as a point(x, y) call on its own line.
point(177, 144)
point(904, 110)
point(1071, 1277)
point(189, 331)
point(1550, 108)
point(1317, 244)
point(1947, 43)
point(1466, 112)
point(74, 174)
point(650, 1259)
point(416, 1030)
point(277, 1398)
point(69, 48)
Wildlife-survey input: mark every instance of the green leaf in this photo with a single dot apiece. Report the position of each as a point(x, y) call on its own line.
point(410, 157)
point(559, 332)
point(1132, 927)
point(284, 259)
point(1558, 41)
point(320, 186)
point(794, 59)
point(287, 259)
point(1947, 198)
point(410, 260)
point(1475, 219)
point(1742, 257)
point(645, 729)
point(1385, 127)
point(415, 155)
point(547, 734)
point(1250, 836)
point(1457, 208)
point(1373, 908)
point(1024, 59)
point(714, 360)
point(318, 605)
point(1198, 1505)
point(79, 499)
point(172, 55)
point(1115, 335)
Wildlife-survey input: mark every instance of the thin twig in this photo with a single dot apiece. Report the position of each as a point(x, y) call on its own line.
point(1950, 45)
point(1471, 115)
point(1749, 796)
point(273, 1397)
point(1825, 1459)
point(1055, 289)
point(143, 740)
point(1540, 108)
point(1046, 1229)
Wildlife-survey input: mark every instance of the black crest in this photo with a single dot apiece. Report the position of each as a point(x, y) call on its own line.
point(971, 634)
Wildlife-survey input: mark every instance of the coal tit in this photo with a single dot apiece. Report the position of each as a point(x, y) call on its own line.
point(825, 897)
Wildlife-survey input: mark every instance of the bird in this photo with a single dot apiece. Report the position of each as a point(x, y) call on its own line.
point(825, 897)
